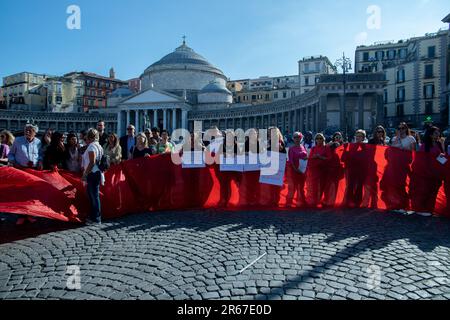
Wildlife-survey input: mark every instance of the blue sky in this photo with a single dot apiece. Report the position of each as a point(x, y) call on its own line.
point(244, 38)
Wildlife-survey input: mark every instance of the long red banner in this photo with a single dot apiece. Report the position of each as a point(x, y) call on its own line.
point(355, 176)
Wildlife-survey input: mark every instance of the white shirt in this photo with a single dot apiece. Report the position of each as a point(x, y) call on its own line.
point(98, 151)
point(406, 143)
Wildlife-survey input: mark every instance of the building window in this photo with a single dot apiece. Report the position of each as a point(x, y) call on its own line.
point(402, 53)
point(254, 97)
point(284, 95)
point(306, 67)
point(428, 91)
point(292, 94)
point(401, 75)
point(429, 107)
point(429, 71)
point(379, 55)
point(401, 94)
point(385, 96)
point(400, 110)
point(306, 81)
point(317, 80)
point(317, 66)
point(391, 54)
point(431, 52)
point(365, 56)
point(267, 97)
point(275, 95)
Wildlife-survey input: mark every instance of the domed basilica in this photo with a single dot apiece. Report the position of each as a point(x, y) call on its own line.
point(180, 82)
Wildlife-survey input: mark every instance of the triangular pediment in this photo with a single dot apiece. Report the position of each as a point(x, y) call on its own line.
point(151, 96)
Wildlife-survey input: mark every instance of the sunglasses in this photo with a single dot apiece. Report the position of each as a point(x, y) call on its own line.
point(319, 139)
point(401, 128)
point(380, 132)
point(130, 129)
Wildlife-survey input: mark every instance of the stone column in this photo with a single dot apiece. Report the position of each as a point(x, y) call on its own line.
point(119, 124)
point(136, 121)
point(361, 112)
point(174, 119)
point(184, 119)
point(128, 117)
point(307, 123)
point(155, 118)
point(323, 109)
point(317, 118)
point(302, 121)
point(164, 118)
point(343, 113)
point(146, 122)
point(380, 117)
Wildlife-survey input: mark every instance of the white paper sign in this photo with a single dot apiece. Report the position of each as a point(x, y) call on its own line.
point(193, 159)
point(273, 173)
point(442, 160)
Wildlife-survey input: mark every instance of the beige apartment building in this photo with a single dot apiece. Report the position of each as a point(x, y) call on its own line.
point(416, 71)
point(264, 89)
point(25, 89)
point(310, 69)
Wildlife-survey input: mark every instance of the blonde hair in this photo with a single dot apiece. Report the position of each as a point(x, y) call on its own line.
point(143, 136)
point(362, 132)
point(9, 137)
point(279, 134)
point(320, 135)
point(92, 135)
point(116, 140)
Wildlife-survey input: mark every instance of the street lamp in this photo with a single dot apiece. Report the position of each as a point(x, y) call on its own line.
point(346, 65)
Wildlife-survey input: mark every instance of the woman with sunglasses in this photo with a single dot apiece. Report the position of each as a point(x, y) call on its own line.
point(404, 140)
point(317, 170)
point(378, 137)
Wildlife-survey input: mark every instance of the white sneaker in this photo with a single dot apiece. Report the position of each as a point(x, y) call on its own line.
point(401, 211)
point(410, 212)
point(424, 214)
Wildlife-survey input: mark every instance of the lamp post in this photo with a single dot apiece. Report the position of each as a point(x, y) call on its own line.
point(346, 65)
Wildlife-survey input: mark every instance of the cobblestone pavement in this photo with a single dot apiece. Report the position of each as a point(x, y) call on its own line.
point(359, 254)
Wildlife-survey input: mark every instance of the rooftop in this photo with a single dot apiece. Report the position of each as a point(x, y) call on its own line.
point(440, 32)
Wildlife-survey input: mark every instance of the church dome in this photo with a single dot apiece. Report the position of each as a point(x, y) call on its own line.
point(182, 70)
point(215, 92)
point(182, 55)
point(215, 86)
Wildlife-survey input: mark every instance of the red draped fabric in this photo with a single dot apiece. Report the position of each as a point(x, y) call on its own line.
point(355, 175)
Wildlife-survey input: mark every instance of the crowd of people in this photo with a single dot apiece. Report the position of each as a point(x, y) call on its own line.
point(81, 154)
point(90, 152)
